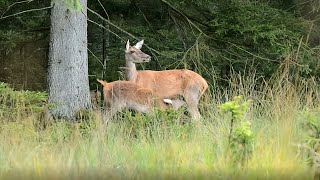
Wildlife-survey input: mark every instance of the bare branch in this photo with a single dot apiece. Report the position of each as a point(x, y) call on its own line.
point(15, 3)
point(105, 11)
point(120, 29)
point(100, 25)
point(26, 11)
point(96, 57)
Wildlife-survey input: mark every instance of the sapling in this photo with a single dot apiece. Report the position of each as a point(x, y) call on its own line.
point(240, 141)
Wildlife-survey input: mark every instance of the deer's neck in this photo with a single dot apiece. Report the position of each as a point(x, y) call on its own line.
point(131, 71)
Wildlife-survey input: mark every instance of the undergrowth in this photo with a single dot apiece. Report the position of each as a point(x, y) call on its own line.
point(168, 144)
point(20, 103)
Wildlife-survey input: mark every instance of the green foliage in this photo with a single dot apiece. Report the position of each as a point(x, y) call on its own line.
point(210, 37)
point(73, 5)
point(13, 103)
point(87, 127)
point(308, 59)
point(8, 40)
point(311, 124)
point(311, 128)
point(159, 146)
point(63, 131)
point(157, 126)
point(19, 29)
point(241, 136)
point(60, 132)
point(237, 107)
point(85, 114)
point(255, 34)
point(242, 142)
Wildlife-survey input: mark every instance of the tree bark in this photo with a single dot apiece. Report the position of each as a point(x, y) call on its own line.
point(68, 82)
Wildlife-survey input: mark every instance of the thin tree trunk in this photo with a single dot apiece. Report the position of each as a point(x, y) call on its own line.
point(68, 82)
point(24, 69)
point(105, 45)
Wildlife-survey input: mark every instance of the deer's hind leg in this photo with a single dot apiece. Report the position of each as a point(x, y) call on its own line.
point(192, 98)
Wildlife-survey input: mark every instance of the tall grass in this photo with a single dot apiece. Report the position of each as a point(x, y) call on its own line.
point(164, 145)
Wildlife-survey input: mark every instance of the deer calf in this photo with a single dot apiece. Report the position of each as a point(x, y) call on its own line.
point(119, 95)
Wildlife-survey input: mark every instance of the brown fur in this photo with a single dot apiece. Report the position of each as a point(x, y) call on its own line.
point(124, 94)
point(169, 83)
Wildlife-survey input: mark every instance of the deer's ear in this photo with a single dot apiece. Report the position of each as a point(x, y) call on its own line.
point(127, 45)
point(139, 44)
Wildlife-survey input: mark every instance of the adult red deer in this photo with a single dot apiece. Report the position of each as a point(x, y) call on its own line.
point(119, 95)
point(167, 83)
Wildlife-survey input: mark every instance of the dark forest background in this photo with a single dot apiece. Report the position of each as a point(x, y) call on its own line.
point(212, 37)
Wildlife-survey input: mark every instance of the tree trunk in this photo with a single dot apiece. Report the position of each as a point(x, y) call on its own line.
point(68, 82)
point(105, 45)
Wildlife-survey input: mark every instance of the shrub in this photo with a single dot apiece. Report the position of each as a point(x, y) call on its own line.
point(20, 103)
point(241, 136)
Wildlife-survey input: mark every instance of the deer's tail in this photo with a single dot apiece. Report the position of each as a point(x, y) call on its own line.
point(204, 86)
point(103, 83)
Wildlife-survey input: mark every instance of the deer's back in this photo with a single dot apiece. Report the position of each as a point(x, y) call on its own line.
point(126, 91)
point(130, 95)
point(170, 82)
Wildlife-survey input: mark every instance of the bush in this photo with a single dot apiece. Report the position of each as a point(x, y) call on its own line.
point(20, 103)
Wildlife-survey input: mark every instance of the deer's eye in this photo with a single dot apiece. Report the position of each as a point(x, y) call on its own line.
point(132, 52)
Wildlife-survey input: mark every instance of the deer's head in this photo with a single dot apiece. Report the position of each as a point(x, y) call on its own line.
point(134, 54)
